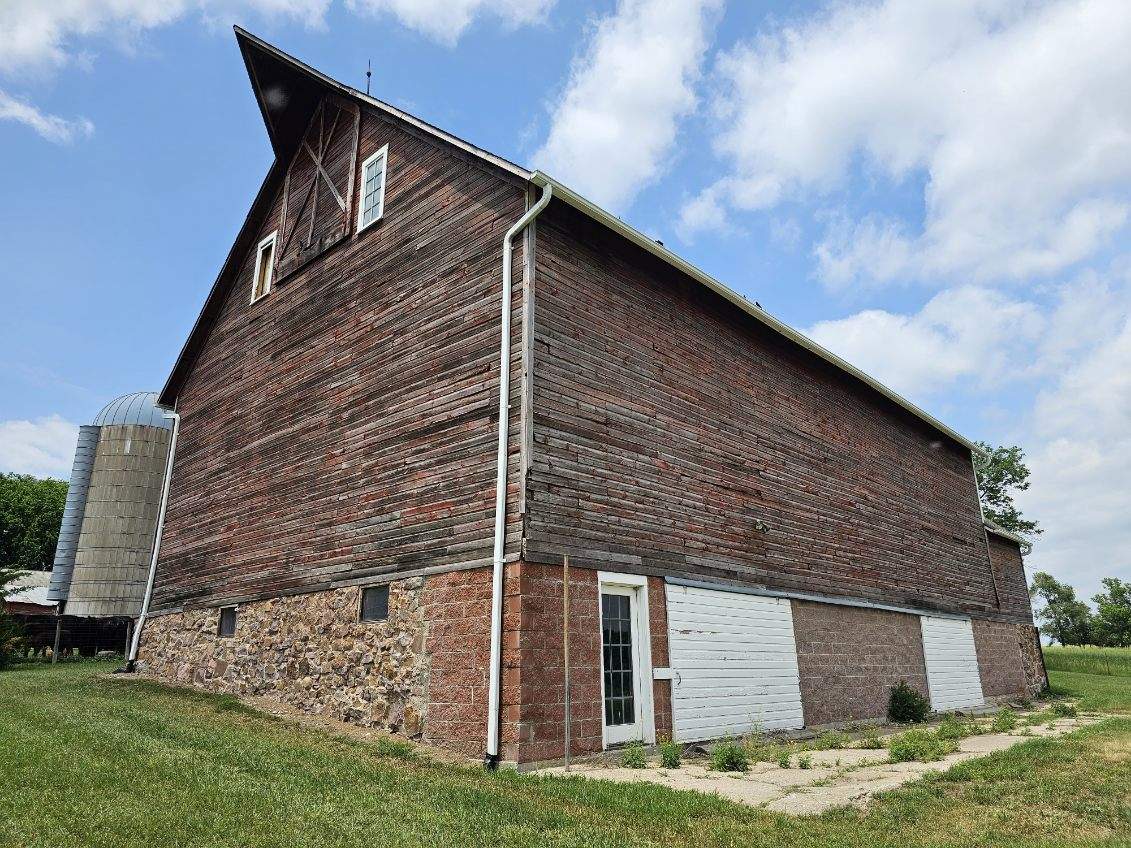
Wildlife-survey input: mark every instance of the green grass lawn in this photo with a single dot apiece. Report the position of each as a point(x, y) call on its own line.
point(87, 761)
point(1089, 659)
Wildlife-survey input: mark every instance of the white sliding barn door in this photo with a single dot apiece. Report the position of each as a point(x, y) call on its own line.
point(952, 663)
point(734, 663)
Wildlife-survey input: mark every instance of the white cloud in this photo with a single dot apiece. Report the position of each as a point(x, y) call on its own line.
point(446, 20)
point(51, 127)
point(39, 37)
point(615, 124)
point(961, 334)
point(44, 447)
point(1017, 115)
point(1081, 465)
point(36, 36)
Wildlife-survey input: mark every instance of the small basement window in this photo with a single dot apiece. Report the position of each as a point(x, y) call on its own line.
point(227, 621)
point(375, 603)
point(372, 188)
point(264, 267)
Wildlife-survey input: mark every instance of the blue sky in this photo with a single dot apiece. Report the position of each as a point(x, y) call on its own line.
point(938, 191)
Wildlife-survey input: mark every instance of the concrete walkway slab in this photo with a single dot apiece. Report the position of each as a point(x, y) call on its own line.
point(837, 778)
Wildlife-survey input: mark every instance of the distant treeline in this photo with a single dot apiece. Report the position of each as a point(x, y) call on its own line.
point(1069, 621)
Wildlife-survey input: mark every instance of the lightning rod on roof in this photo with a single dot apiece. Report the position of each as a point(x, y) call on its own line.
point(368, 73)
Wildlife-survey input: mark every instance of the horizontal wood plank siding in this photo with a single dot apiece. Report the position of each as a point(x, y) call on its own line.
point(343, 428)
point(675, 435)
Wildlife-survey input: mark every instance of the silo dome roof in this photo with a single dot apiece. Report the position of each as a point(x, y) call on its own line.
point(139, 408)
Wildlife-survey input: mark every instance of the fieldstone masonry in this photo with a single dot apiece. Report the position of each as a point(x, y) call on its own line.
point(1032, 660)
point(310, 651)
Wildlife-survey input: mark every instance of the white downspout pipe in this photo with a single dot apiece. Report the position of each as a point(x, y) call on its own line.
point(491, 760)
point(131, 660)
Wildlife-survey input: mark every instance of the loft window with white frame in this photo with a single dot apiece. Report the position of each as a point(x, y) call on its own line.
point(264, 268)
point(372, 188)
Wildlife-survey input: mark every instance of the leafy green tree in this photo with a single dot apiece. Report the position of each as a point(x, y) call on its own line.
point(1002, 474)
point(1063, 617)
point(11, 634)
point(1113, 614)
point(31, 510)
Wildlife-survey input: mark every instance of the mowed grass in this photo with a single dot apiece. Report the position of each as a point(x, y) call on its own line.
point(1089, 659)
point(90, 761)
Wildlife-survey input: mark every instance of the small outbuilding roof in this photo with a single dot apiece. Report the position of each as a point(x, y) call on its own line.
point(138, 408)
point(30, 588)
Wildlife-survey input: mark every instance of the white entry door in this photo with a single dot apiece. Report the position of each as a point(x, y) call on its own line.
point(626, 671)
point(952, 663)
point(734, 663)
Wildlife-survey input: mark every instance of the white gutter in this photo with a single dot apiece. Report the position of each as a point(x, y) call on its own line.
point(1023, 543)
point(492, 758)
point(618, 226)
point(131, 660)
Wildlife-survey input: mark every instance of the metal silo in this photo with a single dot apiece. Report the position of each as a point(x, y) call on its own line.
point(110, 518)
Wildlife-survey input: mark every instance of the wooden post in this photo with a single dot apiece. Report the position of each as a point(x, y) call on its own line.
point(565, 649)
point(58, 634)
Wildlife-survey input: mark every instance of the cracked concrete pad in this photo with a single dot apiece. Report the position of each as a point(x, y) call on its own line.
point(792, 777)
point(861, 773)
point(849, 757)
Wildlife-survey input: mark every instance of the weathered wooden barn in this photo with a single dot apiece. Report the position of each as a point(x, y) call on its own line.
point(758, 533)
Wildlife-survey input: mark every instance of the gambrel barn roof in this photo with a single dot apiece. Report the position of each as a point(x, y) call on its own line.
point(288, 90)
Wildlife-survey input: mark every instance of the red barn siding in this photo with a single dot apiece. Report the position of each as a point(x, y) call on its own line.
point(1009, 571)
point(673, 434)
point(344, 426)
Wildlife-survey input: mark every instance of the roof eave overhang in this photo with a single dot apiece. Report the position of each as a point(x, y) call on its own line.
point(614, 223)
point(999, 531)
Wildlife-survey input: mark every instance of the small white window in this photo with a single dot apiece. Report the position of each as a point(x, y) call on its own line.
point(372, 188)
point(264, 267)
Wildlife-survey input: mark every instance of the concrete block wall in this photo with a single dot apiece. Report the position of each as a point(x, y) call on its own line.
point(999, 659)
point(850, 657)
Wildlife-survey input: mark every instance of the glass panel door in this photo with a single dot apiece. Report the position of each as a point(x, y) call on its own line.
point(619, 664)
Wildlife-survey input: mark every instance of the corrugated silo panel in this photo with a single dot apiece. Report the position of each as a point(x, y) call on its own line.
point(114, 550)
point(73, 510)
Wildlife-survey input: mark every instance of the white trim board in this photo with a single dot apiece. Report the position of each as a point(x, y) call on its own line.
point(642, 677)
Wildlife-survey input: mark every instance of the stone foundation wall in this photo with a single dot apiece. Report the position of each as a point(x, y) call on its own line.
point(310, 651)
point(1032, 660)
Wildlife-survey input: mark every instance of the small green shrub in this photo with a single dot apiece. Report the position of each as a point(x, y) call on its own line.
point(906, 705)
point(954, 727)
point(829, 740)
point(920, 746)
point(871, 739)
point(805, 761)
point(728, 756)
point(633, 756)
point(783, 759)
point(1005, 720)
point(11, 639)
point(671, 752)
point(1062, 709)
